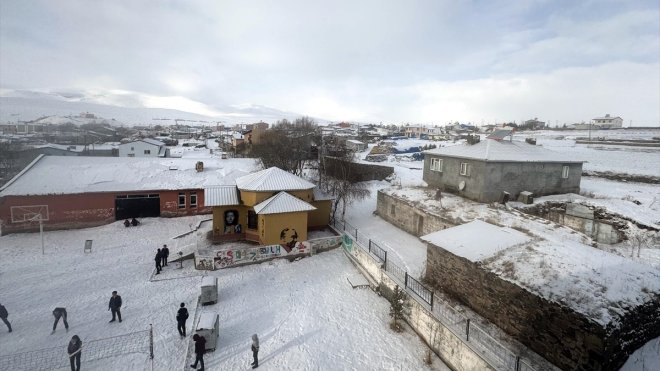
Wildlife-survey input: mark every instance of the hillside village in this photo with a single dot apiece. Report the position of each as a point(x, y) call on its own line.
point(447, 187)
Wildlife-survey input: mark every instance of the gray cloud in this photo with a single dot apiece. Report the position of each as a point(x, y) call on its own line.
point(366, 60)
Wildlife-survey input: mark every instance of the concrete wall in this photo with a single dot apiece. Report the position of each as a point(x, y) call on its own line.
point(445, 343)
point(485, 181)
point(211, 259)
point(600, 231)
point(409, 217)
point(357, 172)
point(564, 337)
point(321, 216)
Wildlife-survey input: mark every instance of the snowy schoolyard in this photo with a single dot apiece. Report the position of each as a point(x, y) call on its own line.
point(306, 314)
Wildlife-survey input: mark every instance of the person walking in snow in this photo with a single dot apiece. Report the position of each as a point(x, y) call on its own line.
point(158, 259)
point(74, 348)
point(181, 317)
point(58, 313)
point(255, 350)
point(115, 306)
point(4, 314)
point(166, 252)
point(200, 348)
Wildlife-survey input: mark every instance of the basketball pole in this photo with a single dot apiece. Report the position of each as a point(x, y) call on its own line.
point(41, 232)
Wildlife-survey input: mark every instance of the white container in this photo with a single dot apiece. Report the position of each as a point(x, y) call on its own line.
point(208, 326)
point(209, 290)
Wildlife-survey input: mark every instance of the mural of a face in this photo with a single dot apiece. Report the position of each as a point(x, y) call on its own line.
point(288, 238)
point(231, 221)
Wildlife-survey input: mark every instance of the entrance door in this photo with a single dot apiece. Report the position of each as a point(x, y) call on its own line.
point(137, 206)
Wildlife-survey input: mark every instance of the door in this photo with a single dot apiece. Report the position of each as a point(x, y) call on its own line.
point(137, 206)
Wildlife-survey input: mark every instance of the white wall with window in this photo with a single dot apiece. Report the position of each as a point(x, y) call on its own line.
point(138, 148)
point(465, 169)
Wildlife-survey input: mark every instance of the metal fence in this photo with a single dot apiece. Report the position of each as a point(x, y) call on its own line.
point(491, 350)
point(56, 358)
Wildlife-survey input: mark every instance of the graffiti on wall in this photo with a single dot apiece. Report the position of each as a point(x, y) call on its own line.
point(347, 242)
point(231, 222)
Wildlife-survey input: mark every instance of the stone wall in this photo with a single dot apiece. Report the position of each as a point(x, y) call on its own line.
point(582, 219)
point(357, 172)
point(564, 337)
point(409, 217)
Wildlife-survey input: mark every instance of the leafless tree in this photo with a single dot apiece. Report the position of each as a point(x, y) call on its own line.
point(287, 145)
point(639, 238)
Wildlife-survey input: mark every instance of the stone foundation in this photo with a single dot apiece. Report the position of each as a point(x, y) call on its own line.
point(410, 217)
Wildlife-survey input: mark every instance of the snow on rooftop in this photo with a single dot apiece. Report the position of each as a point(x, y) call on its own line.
point(272, 179)
point(209, 281)
point(476, 240)
point(206, 320)
point(282, 203)
point(495, 150)
point(74, 174)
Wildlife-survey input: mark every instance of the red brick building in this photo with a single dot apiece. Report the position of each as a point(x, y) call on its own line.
point(81, 192)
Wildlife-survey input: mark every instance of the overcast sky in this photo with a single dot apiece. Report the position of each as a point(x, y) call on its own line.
point(371, 61)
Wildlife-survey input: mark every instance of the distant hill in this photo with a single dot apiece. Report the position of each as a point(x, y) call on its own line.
point(60, 107)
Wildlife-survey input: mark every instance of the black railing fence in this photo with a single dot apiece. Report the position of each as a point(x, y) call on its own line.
point(492, 350)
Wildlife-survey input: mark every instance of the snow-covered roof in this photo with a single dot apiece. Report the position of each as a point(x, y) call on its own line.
point(353, 141)
point(221, 196)
point(76, 174)
point(148, 141)
point(504, 151)
point(282, 203)
point(272, 179)
point(321, 196)
point(476, 240)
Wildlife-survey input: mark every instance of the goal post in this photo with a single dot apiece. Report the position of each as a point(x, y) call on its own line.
point(29, 213)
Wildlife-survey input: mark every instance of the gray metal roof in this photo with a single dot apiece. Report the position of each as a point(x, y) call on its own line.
point(272, 179)
point(282, 203)
point(504, 151)
point(221, 196)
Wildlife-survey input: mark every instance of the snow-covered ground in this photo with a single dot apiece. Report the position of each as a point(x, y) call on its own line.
point(305, 312)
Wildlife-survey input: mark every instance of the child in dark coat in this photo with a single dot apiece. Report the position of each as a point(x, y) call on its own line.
point(75, 346)
point(200, 348)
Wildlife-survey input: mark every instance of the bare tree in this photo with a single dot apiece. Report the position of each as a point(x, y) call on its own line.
point(10, 161)
point(639, 238)
point(287, 145)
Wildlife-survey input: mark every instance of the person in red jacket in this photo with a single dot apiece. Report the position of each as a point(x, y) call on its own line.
point(200, 348)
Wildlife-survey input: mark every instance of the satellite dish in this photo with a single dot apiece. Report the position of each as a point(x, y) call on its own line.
point(461, 185)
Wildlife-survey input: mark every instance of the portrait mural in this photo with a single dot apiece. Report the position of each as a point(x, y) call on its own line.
point(288, 238)
point(231, 222)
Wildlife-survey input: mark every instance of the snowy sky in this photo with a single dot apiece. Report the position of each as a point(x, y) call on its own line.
point(421, 61)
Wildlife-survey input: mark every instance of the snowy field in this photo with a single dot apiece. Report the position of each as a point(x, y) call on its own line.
point(306, 314)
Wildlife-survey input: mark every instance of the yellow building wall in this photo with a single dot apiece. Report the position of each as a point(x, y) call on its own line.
point(272, 226)
point(253, 198)
point(320, 216)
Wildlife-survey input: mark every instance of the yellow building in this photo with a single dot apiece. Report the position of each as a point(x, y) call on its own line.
point(270, 207)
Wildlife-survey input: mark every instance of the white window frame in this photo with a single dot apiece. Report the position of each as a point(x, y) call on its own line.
point(564, 172)
point(193, 199)
point(465, 170)
point(182, 197)
point(436, 164)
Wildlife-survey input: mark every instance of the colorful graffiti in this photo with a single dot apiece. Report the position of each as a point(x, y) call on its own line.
point(347, 242)
point(231, 222)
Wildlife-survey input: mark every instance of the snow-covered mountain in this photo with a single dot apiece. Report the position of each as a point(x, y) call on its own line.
point(124, 108)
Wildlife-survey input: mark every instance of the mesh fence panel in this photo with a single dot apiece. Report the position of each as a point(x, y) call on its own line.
point(492, 350)
point(56, 358)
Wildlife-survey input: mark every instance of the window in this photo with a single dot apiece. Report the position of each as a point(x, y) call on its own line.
point(392, 210)
point(131, 155)
point(436, 164)
point(464, 169)
point(564, 172)
point(252, 219)
point(132, 148)
point(147, 151)
point(193, 199)
point(182, 200)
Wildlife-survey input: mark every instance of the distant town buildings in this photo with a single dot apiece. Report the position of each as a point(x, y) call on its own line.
point(608, 122)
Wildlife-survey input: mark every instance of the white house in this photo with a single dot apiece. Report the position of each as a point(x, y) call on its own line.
point(144, 148)
point(608, 122)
